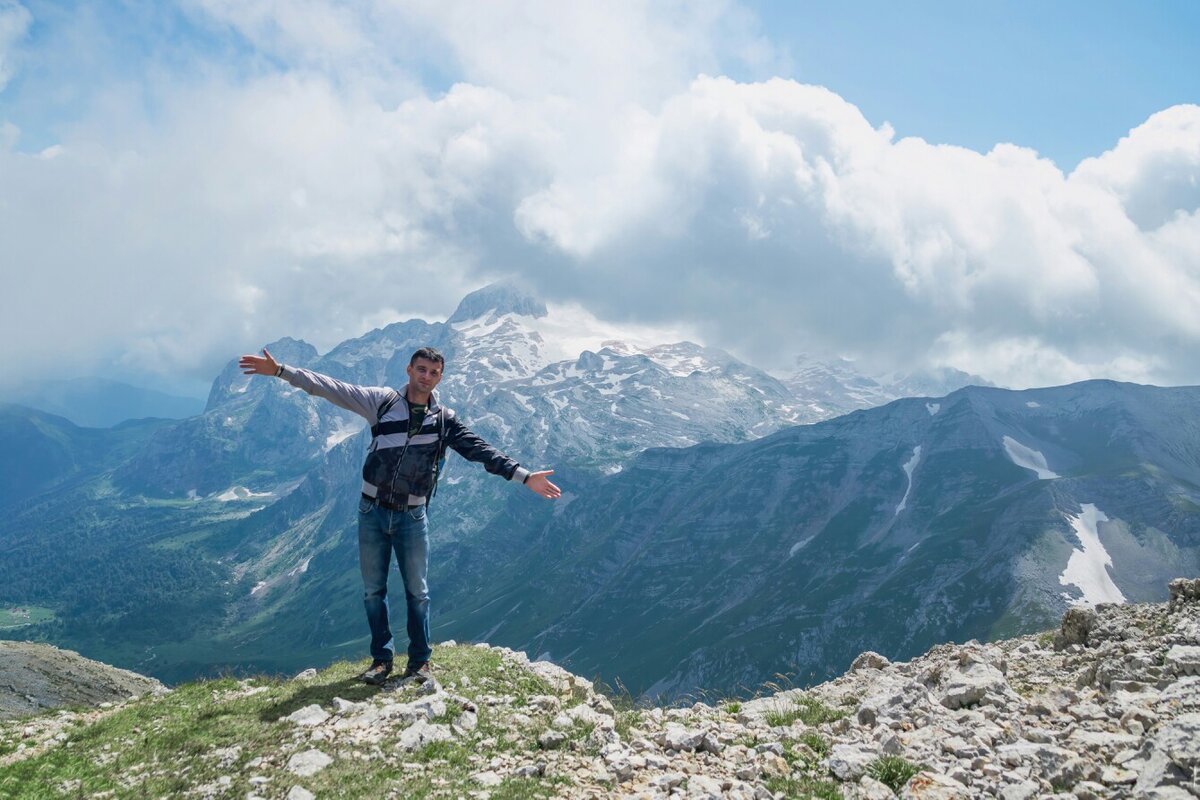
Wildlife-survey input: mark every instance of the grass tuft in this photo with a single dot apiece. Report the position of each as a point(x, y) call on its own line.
point(893, 771)
point(808, 710)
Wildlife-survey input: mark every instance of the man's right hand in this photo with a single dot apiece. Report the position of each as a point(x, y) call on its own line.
point(259, 365)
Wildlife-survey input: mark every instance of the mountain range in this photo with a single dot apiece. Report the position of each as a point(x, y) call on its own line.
point(100, 402)
point(718, 526)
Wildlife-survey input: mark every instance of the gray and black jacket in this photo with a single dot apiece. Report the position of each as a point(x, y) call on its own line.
point(399, 469)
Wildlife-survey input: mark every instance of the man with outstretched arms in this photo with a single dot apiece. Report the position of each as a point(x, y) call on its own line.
point(410, 432)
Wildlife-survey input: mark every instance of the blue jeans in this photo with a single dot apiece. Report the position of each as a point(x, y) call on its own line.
point(380, 532)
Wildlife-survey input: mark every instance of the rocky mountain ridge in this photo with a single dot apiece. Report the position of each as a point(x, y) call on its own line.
point(1107, 706)
point(35, 677)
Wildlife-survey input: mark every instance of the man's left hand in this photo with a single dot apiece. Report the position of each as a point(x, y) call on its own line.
point(538, 482)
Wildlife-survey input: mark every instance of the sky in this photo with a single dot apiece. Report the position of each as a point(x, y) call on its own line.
point(1007, 188)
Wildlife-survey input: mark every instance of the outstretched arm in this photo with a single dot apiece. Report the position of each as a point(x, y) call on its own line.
point(362, 400)
point(470, 446)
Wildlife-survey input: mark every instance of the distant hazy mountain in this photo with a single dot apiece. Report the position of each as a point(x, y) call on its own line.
point(99, 402)
point(836, 387)
point(40, 452)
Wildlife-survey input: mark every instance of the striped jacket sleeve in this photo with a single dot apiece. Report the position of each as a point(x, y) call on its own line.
point(362, 400)
point(470, 446)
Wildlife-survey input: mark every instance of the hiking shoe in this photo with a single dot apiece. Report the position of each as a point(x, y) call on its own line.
point(377, 673)
point(418, 672)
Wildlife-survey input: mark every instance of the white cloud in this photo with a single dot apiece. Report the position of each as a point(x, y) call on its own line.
point(580, 150)
point(14, 24)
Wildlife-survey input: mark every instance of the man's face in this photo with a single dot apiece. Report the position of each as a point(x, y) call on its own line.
point(425, 374)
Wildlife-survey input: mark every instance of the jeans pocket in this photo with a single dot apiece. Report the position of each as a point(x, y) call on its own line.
point(365, 505)
point(417, 513)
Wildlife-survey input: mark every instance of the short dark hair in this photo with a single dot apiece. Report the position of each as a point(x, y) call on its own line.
point(429, 354)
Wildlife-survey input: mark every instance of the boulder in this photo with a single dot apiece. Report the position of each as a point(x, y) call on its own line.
point(967, 685)
point(308, 763)
point(1184, 659)
point(933, 786)
point(422, 733)
point(869, 660)
point(848, 762)
point(309, 716)
point(1182, 591)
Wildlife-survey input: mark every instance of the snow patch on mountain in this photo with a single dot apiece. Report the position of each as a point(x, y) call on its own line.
point(798, 546)
point(1033, 404)
point(1087, 569)
point(909, 466)
point(240, 493)
point(933, 408)
point(1028, 458)
point(565, 331)
point(343, 430)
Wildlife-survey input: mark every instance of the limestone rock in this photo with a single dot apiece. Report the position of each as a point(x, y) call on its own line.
point(871, 789)
point(308, 763)
point(1182, 591)
point(487, 779)
point(848, 762)
point(1076, 624)
point(967, 685)
point(678, 738)
point(422, 733)
point(551, 739)
point(1184, 659)
point(933, 786)
point(869, 660)
point(309, 716)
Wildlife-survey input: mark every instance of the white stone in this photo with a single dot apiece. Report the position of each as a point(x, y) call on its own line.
point(309, 716)
point(1184, 659)
point(422, 733)
point(308, 763)
point(702, 786)
point(680, 739)
point(1024, 790)
point(466, 721)
point(342, 706)
point(869, 660)
point(306, 675)
point(668, 780)
point(968, 684)
point(1115, 776)
point(871, 789)
point(300, 793)
point(933, 786)
point(487, 779)
point(848, 762)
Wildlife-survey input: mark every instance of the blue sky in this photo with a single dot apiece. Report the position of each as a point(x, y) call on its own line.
point(1065, 78)
point(184, 180)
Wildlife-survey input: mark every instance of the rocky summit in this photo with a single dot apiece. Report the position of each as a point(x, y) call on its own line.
point(1107, 706)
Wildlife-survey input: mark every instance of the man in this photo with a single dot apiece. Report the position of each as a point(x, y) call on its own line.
point(410, 433)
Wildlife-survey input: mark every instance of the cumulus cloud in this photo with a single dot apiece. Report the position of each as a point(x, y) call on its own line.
point(329, 191)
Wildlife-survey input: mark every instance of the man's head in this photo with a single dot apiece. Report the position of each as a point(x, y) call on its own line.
point(425, 369)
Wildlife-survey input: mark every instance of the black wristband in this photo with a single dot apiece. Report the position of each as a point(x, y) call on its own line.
point(279, 372)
